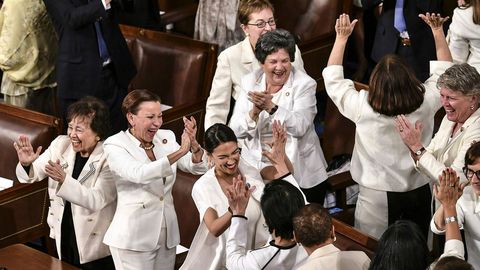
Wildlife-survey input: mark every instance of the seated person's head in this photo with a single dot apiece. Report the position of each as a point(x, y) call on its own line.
point(403, 247)
point(280, 202)
point(313, 227)
point(452, 263)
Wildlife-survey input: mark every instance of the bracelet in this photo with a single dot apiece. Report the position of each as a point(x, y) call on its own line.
point(240, 216)
point(450, 219)
point(198, 150)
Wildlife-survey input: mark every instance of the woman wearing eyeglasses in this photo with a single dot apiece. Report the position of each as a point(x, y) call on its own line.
point(468, 207)
point(256, 18)
point(208, 249)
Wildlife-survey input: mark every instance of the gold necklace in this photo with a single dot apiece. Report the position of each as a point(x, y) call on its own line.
point(147, 147)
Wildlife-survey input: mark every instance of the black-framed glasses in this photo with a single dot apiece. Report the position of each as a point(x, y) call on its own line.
point(469, 173)
point(262, 23)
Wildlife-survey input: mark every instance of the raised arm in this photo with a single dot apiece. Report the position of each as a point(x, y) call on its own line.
point(343, 28)
point(435, 21)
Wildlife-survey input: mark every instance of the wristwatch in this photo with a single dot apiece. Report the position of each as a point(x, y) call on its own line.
point(273, 110)
point(419, 152)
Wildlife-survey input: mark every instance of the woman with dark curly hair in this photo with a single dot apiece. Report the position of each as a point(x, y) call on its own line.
point(81, 188)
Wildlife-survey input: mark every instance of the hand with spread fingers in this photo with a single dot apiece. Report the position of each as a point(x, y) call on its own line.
point(238, 195)
point(55, 171)
point(411, 135)
point(25, 152)
point(343, 26)
point(435, 21)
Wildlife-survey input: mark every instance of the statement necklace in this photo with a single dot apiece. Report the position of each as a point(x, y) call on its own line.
point(147, 147)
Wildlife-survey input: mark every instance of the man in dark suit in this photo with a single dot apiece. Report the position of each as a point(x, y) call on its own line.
point(93, 56)
point(407, 35)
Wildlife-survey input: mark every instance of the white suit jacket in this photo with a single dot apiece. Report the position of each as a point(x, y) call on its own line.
point(464, 38)
point(380, 159)
point(92, 196)
point(441, 153)
point(233, 63)
point(330, 257)
point(297, 107)
point(144, 190)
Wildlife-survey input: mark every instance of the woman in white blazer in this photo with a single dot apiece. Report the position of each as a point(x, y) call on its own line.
point(144, 159)
point(278, 91)
point(381, 163)
point(80, 184)
point(256, 18)
point(464, 34)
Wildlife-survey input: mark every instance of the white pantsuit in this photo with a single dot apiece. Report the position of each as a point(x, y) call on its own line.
point(145, 204)
point(381, 162)
point(92, 196)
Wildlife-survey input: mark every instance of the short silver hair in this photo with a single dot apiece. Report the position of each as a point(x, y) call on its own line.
point(461, 78)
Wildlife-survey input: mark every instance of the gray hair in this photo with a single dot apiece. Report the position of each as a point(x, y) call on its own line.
point(461, 78)
point(272, 41)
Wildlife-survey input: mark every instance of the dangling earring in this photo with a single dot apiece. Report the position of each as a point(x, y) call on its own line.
point(210, 163)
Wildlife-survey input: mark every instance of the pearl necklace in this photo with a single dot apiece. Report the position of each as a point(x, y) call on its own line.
point(147, 147)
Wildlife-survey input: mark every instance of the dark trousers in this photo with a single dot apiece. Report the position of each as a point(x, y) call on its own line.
point(412, 205)
point(421, 69)
point(317, 193)
point(109, 92)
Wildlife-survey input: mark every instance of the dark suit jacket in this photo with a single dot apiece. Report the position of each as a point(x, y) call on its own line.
point(79, 65)
point(386, 37)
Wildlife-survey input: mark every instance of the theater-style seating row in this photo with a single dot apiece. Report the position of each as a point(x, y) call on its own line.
point(178, 69)
point(23, 207)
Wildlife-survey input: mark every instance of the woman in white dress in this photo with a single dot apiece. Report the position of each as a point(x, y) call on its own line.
point(209, 193)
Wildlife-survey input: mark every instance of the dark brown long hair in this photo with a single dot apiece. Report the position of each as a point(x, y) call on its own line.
point(394, 89)
point(475, 4)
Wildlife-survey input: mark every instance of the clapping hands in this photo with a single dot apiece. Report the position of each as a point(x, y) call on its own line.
point(449, 189)
point(238, 195)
